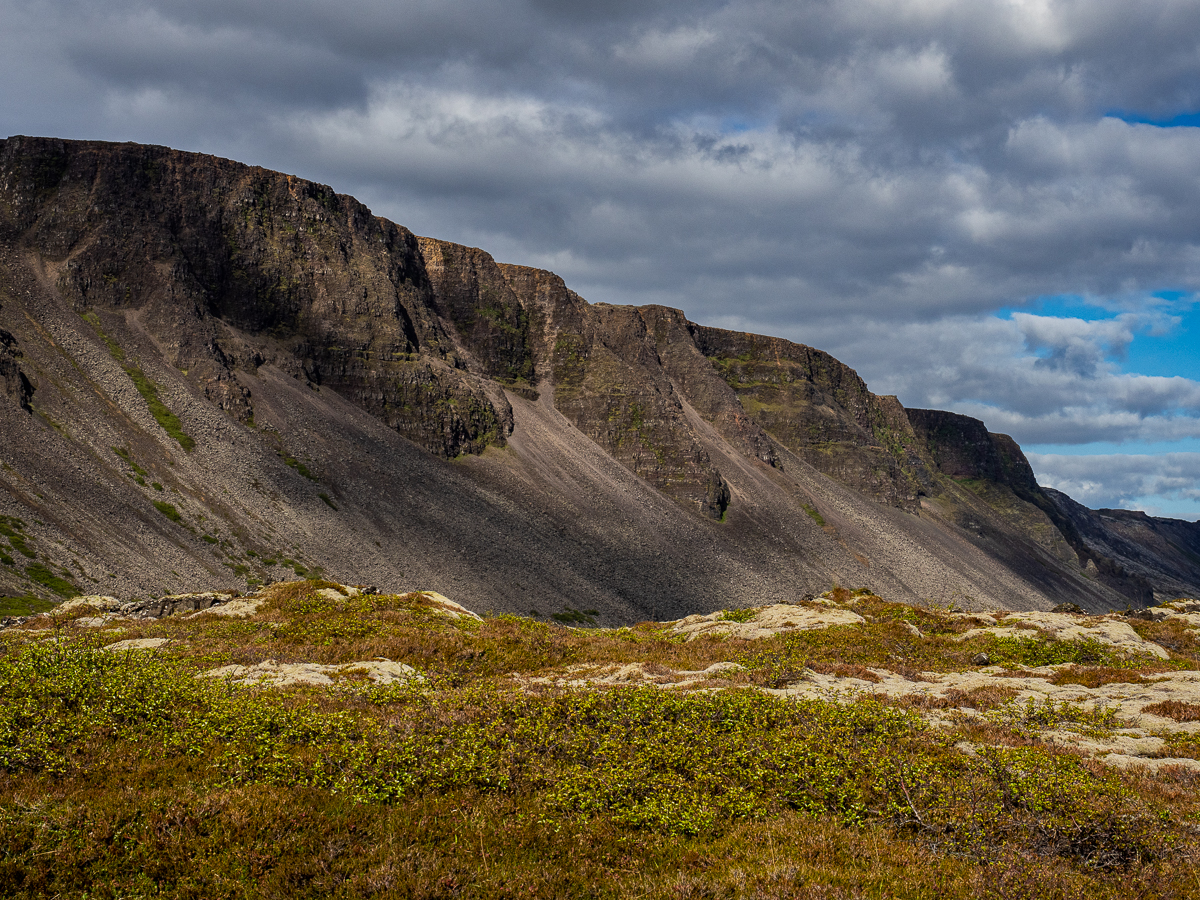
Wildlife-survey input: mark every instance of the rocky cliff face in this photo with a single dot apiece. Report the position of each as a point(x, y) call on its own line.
point(213, 369)
point(1146, 558)
point(229, 267)
point(822, 411)
point(993, 465)
point(961, 447)
point(13, 382)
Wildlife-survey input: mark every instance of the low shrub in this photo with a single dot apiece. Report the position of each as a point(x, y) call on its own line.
point(123, 774)
point(1178, 710)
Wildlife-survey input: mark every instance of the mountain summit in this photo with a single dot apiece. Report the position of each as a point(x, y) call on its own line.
point(214, 373)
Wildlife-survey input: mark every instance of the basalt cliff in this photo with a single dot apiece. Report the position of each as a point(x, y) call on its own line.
point(214, 373)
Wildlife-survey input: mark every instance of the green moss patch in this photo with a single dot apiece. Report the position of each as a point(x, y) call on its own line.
point(168, 510)
point(738, 615)
point(814, 514)
point(47, 579)
point(24, 606)
point(162, 414)
point(114, 349)
point(166, 419)
point(125, 455)
point(296, 464)
point(13, 528)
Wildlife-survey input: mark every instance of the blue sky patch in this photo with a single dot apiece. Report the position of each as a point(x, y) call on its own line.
point(1105, 448)
point(1173, 353)
point(1179, 120)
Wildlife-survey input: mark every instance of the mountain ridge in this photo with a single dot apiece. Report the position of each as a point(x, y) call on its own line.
point(365, 400)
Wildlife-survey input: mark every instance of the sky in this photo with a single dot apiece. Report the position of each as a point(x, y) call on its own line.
point(987, 206)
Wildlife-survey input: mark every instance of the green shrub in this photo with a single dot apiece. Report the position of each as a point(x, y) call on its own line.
point(1034, 715)
point(737, 615)
point(123, 774)
point(168, 510)
point(1040, 651)
point(24, 606)
point(571, 616)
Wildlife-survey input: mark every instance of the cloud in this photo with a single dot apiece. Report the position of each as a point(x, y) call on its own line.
point(893, 159)
point(1042, 379)
point(1121, 481)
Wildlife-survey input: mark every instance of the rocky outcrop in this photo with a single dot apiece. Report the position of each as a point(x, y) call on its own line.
point(272, 674)
point(995, 469)
point(603, 364)
point(1147, 559)
point(754, 624)
point(14, 384)
point(610, 383)
point(102, 609)
point(470, 291)
point(963, 448)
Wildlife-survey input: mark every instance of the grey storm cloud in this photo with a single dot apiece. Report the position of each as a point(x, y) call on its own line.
point(873, 177)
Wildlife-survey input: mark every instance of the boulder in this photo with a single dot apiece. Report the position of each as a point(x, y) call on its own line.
point(92, 601)
point(138, 644)
point(174, 604)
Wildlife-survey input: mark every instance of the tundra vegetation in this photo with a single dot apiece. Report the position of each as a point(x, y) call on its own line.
point(521, 758)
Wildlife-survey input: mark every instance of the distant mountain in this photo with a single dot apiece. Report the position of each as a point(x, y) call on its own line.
point(213, 373)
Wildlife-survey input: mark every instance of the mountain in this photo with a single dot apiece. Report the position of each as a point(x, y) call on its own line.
point(214, 373)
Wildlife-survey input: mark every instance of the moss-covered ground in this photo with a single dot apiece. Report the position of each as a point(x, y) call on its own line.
point(122, 774)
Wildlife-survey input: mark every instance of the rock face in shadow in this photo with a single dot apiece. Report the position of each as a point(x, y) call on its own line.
point(961, 447)
point(213, 370)
point(1156, 558)
point(993, 465)
point(13, 382)
point(228, 267)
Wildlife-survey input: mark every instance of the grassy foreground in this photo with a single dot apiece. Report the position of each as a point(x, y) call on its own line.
point(122, 774)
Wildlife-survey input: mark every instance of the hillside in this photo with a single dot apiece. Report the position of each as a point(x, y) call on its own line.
point(314, 739)
point(212, 373)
